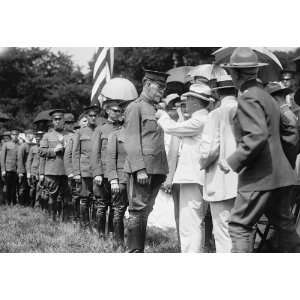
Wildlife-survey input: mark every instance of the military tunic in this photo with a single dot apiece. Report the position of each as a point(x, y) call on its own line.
point(81, 155)
point(115, 161)
point(32, 167)
point(52, 166)
point(144, 145)
point(103, 195)
point(9, 157)
point(21, 169)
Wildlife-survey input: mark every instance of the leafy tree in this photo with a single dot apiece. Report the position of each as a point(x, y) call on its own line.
point(35, 79)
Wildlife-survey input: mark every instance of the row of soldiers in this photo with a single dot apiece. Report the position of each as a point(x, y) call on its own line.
point(75, 173)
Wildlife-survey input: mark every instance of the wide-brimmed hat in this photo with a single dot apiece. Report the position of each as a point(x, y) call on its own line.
point(224, 82)
point(274, 87)
point(200, 91)
point(170, 99)
point(243, 57)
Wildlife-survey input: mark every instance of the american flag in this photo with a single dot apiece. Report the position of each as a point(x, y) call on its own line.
point(103, 70)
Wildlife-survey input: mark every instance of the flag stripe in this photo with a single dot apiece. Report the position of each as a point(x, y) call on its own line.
point(102, 72)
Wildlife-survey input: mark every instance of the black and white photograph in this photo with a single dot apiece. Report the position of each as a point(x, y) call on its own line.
point(149, 150)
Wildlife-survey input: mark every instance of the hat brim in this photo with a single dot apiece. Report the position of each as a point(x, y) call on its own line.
point(224, 87)
point(198, 96)
point(243, 66)
point(286, 91)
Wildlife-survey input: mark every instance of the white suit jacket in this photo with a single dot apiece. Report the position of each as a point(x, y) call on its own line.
point(188, 167)
point(218, 142)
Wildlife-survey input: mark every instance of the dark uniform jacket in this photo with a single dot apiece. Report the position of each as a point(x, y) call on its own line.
point(9, 157)
point(116, 156)
point(259, 158)
point(144, 139)
point(33, 161)
point(69, 142)
point(23, 152)
point(51, 163)
point(99, 152)
point(82, 150)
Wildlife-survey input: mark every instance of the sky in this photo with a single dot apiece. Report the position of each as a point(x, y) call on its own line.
point(82, 55)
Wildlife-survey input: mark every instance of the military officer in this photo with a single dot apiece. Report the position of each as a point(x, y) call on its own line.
point(9, 156)
point(102, 190)
point(146, 161)
point(265, 176)
point(82, 170)
point(32, 168)
point(52, 163)
point(23, 152)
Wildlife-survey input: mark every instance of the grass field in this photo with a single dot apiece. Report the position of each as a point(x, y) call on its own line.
point(24, 229)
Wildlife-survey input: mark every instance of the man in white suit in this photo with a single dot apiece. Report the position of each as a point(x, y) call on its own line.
point(218, 142)
point(188, 175)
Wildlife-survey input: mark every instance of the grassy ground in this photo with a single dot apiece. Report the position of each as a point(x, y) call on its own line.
point(23, 229)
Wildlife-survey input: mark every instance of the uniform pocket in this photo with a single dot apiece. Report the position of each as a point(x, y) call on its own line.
point(149, 123)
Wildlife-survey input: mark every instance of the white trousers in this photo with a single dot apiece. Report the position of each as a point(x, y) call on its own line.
point(192, 210)
point(220, 213)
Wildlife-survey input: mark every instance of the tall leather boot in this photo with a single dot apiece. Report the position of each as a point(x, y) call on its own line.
point(136, 233)
point(84, 214)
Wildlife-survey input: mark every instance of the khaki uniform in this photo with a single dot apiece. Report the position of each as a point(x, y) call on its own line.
point(21, 169)
point(32, 167)
point(144, 145)
point(9, 157)
point(82, 150)
point(52, 166)
point(73, 187)
point(116, 156)
point(98, 162)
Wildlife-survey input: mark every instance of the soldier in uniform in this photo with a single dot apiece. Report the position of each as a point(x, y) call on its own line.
point(73, 195)
point(146, 161)
point(23, 152)
point(265, 176)
point(118, 179)
point(52, 163)
point(9, 156)
point(32, 167)
point(82, 170)
point(102, 189)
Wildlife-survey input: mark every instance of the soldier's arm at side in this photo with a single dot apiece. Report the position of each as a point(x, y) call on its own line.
point(95, 158)
point(112, 156)
point(132, 143)
point(3, 158)
point(252, 120)
point(20, 161)
point(68, 157)
point(76, 154)
point(29, 160)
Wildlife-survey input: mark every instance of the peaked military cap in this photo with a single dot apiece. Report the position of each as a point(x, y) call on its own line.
point(56, 111)
point(287, 74)
point(92, 107)
point(156, 76)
